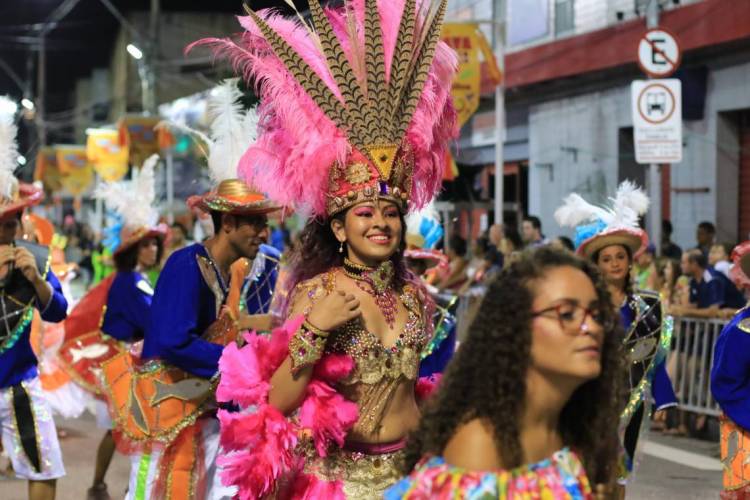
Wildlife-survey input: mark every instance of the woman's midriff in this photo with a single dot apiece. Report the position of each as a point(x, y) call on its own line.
point(401, 416)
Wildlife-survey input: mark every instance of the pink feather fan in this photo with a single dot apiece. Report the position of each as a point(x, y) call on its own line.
point(298, 142)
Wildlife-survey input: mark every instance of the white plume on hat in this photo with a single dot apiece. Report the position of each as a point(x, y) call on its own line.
point(134, 199)
point(628, 205)
point(8, 149)
point(232, 131)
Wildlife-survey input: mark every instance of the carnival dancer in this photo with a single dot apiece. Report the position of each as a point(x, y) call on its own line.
point(163, 402)
point(731, 388)
point(28, 431)
point(356, 116)
point(126, 314)
point(611, 238)
point(528, 406)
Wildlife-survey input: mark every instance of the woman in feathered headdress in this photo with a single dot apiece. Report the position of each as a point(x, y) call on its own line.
point(355, 118)
point(612, 238)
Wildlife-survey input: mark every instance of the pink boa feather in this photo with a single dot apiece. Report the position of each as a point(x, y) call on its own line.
point(259, 450)
point(327, 415)
point(246, 371)
point(427, 386)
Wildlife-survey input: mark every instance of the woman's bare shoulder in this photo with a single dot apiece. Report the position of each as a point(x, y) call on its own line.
point(473, 447)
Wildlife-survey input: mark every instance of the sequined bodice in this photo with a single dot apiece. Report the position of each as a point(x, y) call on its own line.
point(378, 369)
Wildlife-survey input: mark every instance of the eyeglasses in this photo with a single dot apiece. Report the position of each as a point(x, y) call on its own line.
point(572, 317)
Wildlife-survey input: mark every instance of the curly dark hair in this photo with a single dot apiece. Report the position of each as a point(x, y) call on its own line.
point(318, 251)
point(485, 379)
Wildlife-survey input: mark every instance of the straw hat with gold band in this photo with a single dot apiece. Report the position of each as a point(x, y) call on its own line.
point(134, 201)
point(14, 195)
point(232, 130)
point(599, 227)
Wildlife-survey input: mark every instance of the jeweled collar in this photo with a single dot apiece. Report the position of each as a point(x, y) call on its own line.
point(380, 278)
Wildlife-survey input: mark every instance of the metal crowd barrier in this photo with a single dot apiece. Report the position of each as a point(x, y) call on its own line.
point(690, 360)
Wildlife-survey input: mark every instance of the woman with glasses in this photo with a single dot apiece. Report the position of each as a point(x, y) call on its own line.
point(611, 239)
point(529, 405)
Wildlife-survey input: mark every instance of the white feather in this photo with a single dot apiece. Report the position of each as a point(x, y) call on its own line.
point(575, 210)
point(8, 149)
point(629, 203)
point(134, 199)
point(232, 131)
point(414, 219)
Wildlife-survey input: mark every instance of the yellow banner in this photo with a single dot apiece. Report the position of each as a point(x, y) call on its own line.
point(138, 134)
point(108, 157)
point(77, 174)
point(47, 171)
point(468, 41)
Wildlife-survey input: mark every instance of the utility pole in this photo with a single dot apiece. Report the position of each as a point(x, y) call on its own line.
point(654, 170)
point(499, 40)
point(148, 68)
point(41, 75)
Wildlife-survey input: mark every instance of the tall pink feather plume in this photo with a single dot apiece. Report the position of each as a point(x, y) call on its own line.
point(327, 415)
point(259, 449)
point(426, 386)
point(297, 143)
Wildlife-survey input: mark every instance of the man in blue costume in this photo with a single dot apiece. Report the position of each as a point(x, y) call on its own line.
point(730, 386)
point(26, 283)
point(193, 290)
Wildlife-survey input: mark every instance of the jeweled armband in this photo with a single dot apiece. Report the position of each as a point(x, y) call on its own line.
point(306, 346)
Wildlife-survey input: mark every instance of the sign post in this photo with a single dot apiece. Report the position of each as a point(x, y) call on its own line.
point(658, 56)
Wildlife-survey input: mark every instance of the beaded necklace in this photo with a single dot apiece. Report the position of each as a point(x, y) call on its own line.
point(377, 282)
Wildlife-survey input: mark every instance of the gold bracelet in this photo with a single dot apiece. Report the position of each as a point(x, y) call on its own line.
point(314, 329)
point(305, 349)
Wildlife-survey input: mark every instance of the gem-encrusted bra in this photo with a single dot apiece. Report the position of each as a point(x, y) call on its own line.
point(378, 367)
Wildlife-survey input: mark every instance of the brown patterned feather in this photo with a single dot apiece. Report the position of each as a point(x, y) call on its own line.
point(402, 55)
point(418, 77)
point(375, 64)
point(303, 74)
point(341, 70)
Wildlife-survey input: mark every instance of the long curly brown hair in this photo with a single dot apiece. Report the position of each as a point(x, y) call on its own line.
point(485, 380)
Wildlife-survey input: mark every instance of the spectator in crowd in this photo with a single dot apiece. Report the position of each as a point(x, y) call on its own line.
point(718, 258)
point(457, 255)
point(532, 232)
point(705, 235)
point(504, 240)
point(710, 290)
point(644, 270)
point(668, 274)
point(564, 243)
point(668, 247)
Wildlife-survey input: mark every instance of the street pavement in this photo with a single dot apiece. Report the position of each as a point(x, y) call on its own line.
point(79, 453)
point(670, 468)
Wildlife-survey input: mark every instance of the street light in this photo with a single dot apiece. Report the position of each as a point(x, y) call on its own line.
point(134, 51)
point(27, 103)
